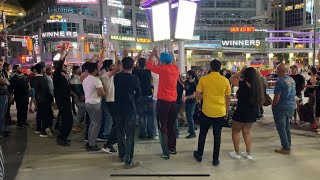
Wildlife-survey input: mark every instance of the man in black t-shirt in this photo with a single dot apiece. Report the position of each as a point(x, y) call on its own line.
point(19, 87)
point(127, 91)
point(145, 103)
point(300, 85)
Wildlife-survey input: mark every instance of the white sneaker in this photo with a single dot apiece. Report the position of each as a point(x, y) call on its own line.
point(234, 155)
point(49, 133)
point(246, 155)
point(37, 132)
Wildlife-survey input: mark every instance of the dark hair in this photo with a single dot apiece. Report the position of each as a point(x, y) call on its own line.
point(32, 69)
point(5, 65)
point(76, 67)
point(39, 67)
point(314, 70)
point(215, 65)
point(92, 67)
point(256, 91)
point(84, 66)
point(15, 66)
point(106, 64)
point(127, 63)
point(193, 74)
point(142, 62)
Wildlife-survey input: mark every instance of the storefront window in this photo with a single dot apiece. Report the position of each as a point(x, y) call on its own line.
point(54, 27)
point(91, 28)
point(142, 32)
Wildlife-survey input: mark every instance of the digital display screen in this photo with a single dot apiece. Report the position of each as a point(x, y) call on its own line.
point(77, 1)
point(161, 22)
point(186, 19)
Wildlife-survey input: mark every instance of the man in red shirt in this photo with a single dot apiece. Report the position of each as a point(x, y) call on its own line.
point(166, 103)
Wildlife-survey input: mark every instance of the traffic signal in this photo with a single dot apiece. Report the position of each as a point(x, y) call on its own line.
point(23, 59)
point(29, 44)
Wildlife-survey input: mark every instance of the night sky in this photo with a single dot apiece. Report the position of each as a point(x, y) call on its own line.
point(26, 4)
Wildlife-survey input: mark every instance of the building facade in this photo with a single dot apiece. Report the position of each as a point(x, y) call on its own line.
point(117, 24)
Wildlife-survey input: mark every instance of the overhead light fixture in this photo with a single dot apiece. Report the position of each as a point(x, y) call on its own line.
point(20, 14)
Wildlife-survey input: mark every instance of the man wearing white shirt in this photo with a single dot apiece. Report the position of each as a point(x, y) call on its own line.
point(93, 90)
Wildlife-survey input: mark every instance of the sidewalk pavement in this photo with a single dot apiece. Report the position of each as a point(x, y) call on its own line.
point(42, 159)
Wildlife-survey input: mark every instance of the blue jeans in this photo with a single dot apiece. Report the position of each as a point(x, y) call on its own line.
point(106, 122)
point(3, 111)
point(189, 113)
point(177, 119)
point(145, 111)
point(282, 118)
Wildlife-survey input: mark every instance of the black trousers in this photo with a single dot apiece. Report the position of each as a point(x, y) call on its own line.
point(43, 115)
point(66, 120)
point(22, 109)
point(113, 133)
point(125, 124)
point(205, 123)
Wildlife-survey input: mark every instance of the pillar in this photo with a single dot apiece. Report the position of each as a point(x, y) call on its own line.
point(189, 59)
point(310, 58)
point(270, 43)
point(181, 60)
point(259, 8)
point(248, 62)
point(291, 55)
point(270, 56)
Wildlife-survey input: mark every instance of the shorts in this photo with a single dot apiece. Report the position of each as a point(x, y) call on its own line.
point(32, 93)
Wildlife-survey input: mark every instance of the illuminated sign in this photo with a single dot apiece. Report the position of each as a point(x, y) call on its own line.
point(241, 43)
point(121, 21)
point(63, 34)
point(143, 24)
point(54, 17)
point(242, 29)
point(77, 2)
point(122, 38)
point(115, 3)
point(143, 40)
point(105, 26)
point(36, 43)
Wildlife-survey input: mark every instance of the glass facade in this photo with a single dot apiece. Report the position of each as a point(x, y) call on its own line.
point(54, 27)
point(228, 4)
point(294, 10)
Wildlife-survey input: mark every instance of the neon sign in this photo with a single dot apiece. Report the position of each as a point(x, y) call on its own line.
point(60, 34)
point(242, 29)
point(77, 2)
point(121, 21)
point(122, 38)
point(241, 43)
point(115, 3)
point(143, 40)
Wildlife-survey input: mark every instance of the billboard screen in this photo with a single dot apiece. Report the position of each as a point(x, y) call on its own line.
point(161, 22)
point(185, 20)
point(77, 1)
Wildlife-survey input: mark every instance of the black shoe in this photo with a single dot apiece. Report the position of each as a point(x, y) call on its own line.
point(215, 163)
point(6, 132)
point(43, 134)
point(197, 156)
point(132, 165)
point(4, 135)
point(93, 148)
point(62, 142)
point(150, 137)
point(142, 137)
point(20, 126)
point(173, 152)
point(191, 136)
point(26, 124)
point(68, 140)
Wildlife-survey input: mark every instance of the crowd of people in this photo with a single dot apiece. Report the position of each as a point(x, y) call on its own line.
point(113, 96)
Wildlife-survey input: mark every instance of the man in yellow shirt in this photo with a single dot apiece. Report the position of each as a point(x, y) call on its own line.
point(215, 90)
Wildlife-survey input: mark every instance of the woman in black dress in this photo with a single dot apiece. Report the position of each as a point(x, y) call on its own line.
point(250, 98)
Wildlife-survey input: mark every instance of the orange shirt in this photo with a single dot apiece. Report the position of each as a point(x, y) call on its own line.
point(168, 78)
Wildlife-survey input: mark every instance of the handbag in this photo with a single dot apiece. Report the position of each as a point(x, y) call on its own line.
point(268, 100)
